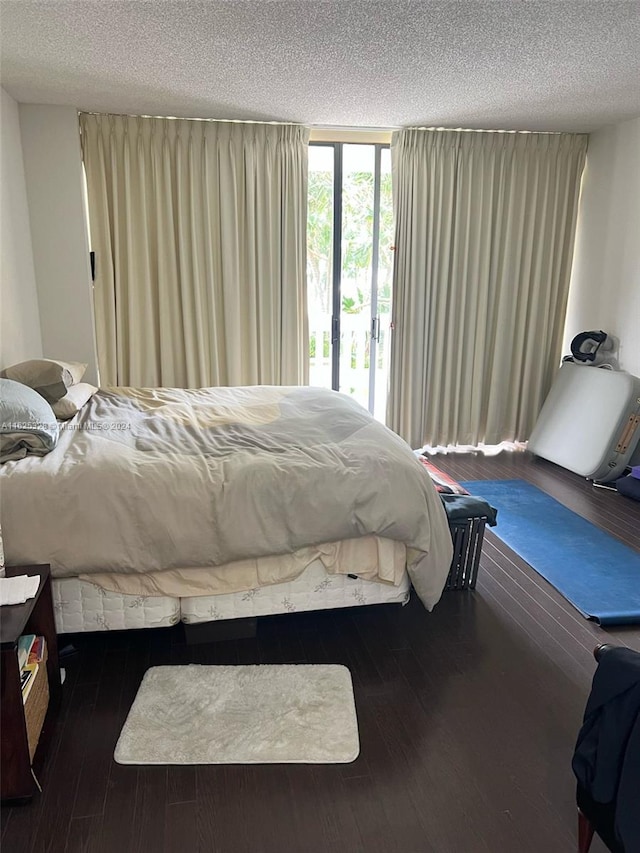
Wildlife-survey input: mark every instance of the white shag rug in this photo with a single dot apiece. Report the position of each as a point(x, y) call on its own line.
point(267, 714)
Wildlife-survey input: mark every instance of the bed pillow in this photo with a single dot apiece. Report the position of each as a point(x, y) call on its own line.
point(27, 422)
point(52, 379)
point(73, 400)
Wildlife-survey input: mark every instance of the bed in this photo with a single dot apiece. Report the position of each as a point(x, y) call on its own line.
point(160, 505)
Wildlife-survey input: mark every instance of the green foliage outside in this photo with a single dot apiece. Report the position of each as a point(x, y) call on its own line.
point(357, 231)
point(326, 345)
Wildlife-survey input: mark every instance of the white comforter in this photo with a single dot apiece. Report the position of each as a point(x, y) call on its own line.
point(148, 480)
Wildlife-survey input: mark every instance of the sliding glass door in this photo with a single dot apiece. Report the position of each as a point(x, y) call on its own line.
point(350, 231)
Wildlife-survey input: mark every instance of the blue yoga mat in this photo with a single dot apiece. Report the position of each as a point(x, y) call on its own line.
point(597, 573)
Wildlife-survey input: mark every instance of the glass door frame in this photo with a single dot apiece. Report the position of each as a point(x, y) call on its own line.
point(336, 309)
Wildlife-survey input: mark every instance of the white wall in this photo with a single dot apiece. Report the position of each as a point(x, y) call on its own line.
point(605, 282)
point(19, 317)
point(53, 170)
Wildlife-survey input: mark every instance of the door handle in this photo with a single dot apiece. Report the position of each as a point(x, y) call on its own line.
point(335, 329)
point(375, 328)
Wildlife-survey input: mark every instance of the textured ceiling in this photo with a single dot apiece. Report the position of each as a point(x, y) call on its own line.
point(519, 64)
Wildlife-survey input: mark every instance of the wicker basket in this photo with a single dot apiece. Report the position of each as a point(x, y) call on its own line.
point(467, 536)
point(35, 708)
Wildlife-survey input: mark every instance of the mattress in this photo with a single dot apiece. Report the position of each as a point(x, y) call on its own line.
point(314, 589)
point(81, 606)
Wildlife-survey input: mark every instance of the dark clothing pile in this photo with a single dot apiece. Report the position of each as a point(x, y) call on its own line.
point(459, 507)
point(606, 761)
point(629, 486)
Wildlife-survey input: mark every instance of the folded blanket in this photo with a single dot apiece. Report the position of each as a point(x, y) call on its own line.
point(444, 484)
point(27, 423)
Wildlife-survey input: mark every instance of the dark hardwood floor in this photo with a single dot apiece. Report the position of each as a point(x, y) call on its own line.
point(468, 718)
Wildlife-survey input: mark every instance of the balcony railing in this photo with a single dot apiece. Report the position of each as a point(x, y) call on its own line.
point(355, 338)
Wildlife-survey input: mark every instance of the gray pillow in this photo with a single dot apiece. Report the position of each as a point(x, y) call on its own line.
point(52, 379)
point(27, 422)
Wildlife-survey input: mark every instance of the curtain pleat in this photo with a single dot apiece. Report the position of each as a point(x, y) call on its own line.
point(485, 226)
point(199, 230)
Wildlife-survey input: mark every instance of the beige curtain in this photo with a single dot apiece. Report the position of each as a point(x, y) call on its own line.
point(485, 228)
point(199, 230)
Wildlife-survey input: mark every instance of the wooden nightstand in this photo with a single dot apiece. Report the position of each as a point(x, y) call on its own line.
point(33, 617)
